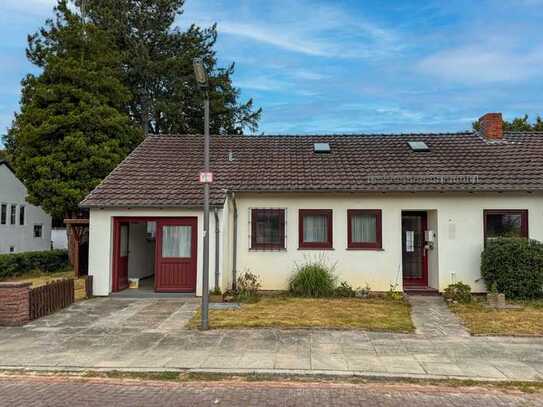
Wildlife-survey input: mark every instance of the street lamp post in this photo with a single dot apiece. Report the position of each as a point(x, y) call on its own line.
point(206, 178)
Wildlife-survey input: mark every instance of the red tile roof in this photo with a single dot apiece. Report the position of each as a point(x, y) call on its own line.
point(164, 170)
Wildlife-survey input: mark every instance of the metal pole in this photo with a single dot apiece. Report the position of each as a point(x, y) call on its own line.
point(205, 277)
point(217, 249)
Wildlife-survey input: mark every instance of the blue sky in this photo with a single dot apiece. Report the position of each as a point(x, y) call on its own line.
point(350, 66)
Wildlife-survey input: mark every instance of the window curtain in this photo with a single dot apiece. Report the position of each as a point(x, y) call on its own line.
point(364, 228)
point(176, 241)
point(315, 228)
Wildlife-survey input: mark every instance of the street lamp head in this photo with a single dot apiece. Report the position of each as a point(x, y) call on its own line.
point(200, 72)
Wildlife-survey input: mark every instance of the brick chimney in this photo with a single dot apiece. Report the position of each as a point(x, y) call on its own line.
point(492, 126)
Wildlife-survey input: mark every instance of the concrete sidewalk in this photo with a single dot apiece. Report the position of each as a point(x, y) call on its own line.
point(107, 333)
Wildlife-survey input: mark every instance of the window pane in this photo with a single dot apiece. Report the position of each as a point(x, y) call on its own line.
point(151, 229)
point(364, 228)
point(22, 215)
point(269, 227)
point(176, 241)
point(504, 225)
point(124, 240)
point(315, 228)
point(3, 214)
point(13, 214)
point(37, 230)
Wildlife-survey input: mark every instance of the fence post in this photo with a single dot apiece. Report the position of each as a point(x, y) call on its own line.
point(14, 304)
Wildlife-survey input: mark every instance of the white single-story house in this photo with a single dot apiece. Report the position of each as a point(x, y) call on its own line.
point(23, 227)
point(408, 210)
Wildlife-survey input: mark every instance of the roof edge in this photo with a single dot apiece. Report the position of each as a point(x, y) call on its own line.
point(7, 164)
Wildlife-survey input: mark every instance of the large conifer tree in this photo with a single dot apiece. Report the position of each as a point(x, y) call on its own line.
point(73, 128)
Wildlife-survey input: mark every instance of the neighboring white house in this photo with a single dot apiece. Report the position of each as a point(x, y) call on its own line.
point(410, 210)
point(59, 238)
point(23, 227)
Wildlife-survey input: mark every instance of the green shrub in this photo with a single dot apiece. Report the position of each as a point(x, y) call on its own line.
point(394, 293)
point(515, 266)
point(344, 289)
point(247, 286)
point(215, 291)
point(363, 292)
point(458, 292)
point(16, 264)
point(315, 278)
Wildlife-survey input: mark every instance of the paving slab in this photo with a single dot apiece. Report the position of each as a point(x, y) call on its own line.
point(144, 334)
point(432, 317)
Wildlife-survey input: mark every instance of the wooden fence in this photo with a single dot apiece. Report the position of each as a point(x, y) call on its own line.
point(51, 297)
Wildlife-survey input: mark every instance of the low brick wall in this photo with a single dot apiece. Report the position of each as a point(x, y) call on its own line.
point(14, 304)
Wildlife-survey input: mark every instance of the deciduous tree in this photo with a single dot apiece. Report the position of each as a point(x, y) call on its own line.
point(157, 68)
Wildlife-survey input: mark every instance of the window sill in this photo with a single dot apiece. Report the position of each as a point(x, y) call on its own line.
point(316, 248)
point(267, 250)
point(367, 249)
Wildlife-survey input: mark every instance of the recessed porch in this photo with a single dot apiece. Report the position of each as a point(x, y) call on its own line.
point(420, 266)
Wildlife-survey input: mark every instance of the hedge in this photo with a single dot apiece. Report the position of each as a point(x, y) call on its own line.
point(515, 265)
point(15, 264)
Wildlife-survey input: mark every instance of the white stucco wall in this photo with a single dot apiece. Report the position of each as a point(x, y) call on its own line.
point(457, 220)
point(101, 243)
point(457, 252)
point(21, 237)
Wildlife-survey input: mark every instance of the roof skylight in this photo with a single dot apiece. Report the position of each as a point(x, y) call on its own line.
point(418, 146)
point(321, 148)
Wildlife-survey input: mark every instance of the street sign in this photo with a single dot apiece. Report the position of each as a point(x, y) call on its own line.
point(206, 177)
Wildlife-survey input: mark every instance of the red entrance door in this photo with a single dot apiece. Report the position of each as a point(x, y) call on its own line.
point(121, 256)
point(176, 252)
point(414, 256)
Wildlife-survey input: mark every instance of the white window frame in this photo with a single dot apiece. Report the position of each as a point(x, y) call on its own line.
point(34, 231)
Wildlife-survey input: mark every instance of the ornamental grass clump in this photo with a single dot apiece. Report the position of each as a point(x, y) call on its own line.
point(315, 278)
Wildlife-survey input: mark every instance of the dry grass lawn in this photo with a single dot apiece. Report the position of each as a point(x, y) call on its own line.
point(39, 279)
point(480, 320)
point(333, 313)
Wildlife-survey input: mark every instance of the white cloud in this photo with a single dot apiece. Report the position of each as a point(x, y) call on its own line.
point(306, 27)
point(309, 75)
point(484, 64)
point(273, 37)
point(262, 83)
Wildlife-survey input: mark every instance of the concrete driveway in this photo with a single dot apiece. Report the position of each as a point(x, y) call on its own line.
point(148, 334)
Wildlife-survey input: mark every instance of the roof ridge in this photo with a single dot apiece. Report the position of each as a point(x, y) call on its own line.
point(457, 133)
point(523, 132)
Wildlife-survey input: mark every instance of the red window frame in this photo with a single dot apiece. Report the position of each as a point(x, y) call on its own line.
point(328, 244)
point(378, 244)
point(267, 246)
point(523, 216)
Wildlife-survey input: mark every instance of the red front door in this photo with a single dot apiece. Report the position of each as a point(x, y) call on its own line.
point(176, 253)
point(122, 251)
point(414, 256)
